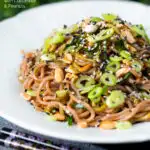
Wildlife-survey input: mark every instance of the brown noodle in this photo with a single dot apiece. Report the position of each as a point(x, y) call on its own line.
point(45, 78)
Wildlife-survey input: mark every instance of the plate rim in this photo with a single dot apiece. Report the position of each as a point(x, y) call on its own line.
point(43, 132)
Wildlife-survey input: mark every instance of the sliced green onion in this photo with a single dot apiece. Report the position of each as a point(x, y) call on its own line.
point(108, 79)
point(57, 39)
point(148, 62)
point(51, 118)
point(95, 19)
point(46, 46)
point(119, 45)
point(48, 57)
point(44, 50)
point(31, 93)
point(73, 28)
point(84, 81)
point(95, 94)
point(105, 89)
point(104, 34)
point(70, 49)
point(139, 29)
point(137, 66)
point(91, 39)
point(115, 58)
point(113, 66)
point(61, 93)
point(121, 125)
point(115, 99)
point(125, 54)
point(70, 29)
point(86, 89)
point(146, 95)
point(109, 17)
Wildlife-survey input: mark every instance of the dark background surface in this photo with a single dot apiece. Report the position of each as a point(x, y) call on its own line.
point(9, 8)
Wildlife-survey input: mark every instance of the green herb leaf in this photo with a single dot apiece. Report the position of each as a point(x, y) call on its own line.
point(70, 120)
point(127, 75)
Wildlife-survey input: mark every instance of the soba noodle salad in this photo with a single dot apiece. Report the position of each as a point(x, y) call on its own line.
point(95, 73)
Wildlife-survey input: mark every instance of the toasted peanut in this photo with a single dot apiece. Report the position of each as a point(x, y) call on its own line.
point(59, 117)
point(93, 124)
point(102, 24)
point(127, 34)
point(122, 71)
point(26, 96)
point(107, 124)
point(119, 25)
point(59, 75)
point(68, 58)
point(82, 124)
point(29, 55)
point(131, 48)
point(70, 76)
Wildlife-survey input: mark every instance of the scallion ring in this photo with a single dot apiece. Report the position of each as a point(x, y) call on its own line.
point(95, 94)
point(125, 54)
point(115, 99)
point(104, 34)
point(113, 66)
point(108, 79)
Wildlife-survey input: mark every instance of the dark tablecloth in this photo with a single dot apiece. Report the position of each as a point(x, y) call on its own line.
point(80, 146)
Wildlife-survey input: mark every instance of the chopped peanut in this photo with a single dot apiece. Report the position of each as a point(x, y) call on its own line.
point(122, 71)
point(127, 34)
point(82, 124)
point(59, 117)
point(68, 58)
point(59, 75)
point(107, 125)
point(26, 96)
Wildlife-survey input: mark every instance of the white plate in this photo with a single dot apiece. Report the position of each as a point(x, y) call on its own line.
point(27, 31)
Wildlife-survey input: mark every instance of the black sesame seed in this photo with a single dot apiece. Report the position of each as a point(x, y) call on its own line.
point(93, 22)
point(67, 34)
point(65, 26)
